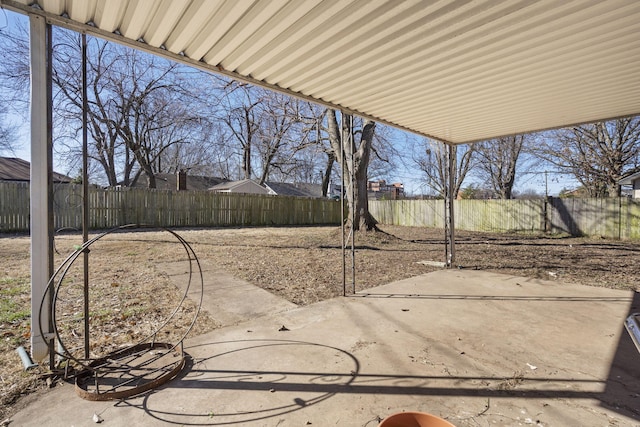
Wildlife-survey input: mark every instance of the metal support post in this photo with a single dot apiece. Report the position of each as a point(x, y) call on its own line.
point(352, 183)
point(450, 241)
point(85, 196)
point(41, 187)
point(342, 217)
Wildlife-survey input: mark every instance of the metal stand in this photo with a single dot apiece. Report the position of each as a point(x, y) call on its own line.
point(135, 368)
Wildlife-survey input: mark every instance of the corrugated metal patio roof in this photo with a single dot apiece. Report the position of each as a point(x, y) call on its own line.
point(455, 70)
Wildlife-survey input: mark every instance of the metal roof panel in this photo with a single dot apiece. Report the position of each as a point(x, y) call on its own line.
point(454, 70)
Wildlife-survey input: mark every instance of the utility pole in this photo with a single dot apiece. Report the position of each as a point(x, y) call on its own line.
point(546, 184)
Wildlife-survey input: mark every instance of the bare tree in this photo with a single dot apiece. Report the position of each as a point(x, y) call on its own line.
point(142, 120)
point(222, 162)
point(319, 143)
point(241, 117)
point(15, 68)
point(152, 100)
point(384, 153)
point(354, 158)
point(139, 105)
point(326, 176)
point(103, 115)
point(598, 155)
point(200, 154)
point(14, 84)
point(7, 132)
point(499, 160)
point(281, 134)
point(434, 165)
point(321, 156)
point(270, 131)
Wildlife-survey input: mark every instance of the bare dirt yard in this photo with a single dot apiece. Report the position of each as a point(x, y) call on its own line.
point(303, 265)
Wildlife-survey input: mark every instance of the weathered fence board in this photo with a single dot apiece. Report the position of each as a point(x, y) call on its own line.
point(500, 215)
point(614, 217)
point(118, 206)
point(422, 213)
point(14, 206)
point(617, 218)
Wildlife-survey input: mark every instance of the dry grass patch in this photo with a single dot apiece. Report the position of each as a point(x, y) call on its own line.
point(129, 300)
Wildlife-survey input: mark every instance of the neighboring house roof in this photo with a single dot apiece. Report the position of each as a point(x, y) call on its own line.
point(298, 190)
point(314, 189)
point(630, 179)
point(168, 181)
point(244, 186)
point(15, 169)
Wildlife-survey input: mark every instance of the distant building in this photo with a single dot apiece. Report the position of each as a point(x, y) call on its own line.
point(18, 170)
point(334, 191)
point(634, 182)
point(381, 190)
point(297, 190)
point(181, 181)
point(249, 186)
point(575, 193)
point(245, 186)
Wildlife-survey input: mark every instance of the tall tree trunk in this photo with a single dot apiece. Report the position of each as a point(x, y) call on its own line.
point(355, 162)
point(151, 180)
point(266, 168)
point(326, 178)
point(363, 218)
point(246, 161)
point(146, 168)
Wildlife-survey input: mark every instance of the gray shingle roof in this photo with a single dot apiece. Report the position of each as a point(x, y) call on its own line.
point(298, 190)
point(168, 181)
point(15, 169)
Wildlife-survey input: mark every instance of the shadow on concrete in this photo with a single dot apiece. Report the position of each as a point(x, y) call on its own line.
point(315, 387)
point(312, 387)
point(624, 374)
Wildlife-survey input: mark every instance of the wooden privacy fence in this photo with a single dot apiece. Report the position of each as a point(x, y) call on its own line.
point(617, 218)
point(474, 215)
point(118, 206)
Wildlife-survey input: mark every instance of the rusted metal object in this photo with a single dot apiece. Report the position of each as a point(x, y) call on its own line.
point(136, 370)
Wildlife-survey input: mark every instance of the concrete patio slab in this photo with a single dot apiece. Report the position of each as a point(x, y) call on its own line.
point(228, 299)
point(476, 348)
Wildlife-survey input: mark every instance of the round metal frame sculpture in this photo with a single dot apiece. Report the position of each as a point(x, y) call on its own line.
point(138, 367)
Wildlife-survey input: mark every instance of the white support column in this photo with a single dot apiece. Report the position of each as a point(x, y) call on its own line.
point(40, 185)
